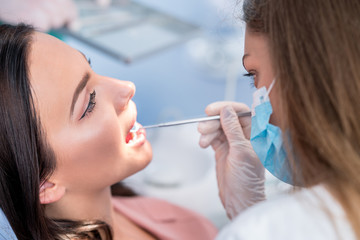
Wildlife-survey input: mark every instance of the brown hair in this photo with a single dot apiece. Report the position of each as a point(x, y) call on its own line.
point(315, 52)
point(26, 159)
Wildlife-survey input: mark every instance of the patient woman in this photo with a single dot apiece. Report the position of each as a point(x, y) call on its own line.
point(64, 140)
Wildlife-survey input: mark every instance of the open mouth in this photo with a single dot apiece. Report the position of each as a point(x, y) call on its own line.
point(136, 134)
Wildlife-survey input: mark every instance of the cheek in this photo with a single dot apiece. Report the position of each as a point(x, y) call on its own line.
point(90, 154)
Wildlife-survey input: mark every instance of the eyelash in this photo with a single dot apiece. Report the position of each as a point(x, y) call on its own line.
point(91, 105)
point(251, 75)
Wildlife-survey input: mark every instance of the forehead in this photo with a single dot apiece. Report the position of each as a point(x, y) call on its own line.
point(51, 62)
point(54, 71)
point(255, 42)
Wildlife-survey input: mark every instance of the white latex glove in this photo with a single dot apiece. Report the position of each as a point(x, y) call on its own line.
point(240, 174)
point(42, 14)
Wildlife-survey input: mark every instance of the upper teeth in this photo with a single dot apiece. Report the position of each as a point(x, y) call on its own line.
point(135, 128)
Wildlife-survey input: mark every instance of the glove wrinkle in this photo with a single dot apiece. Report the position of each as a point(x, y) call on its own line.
point(239, 172)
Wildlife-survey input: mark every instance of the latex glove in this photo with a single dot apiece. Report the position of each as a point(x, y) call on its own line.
point(240, 174)
point(42, 14)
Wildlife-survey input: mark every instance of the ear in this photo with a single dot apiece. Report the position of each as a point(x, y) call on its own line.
point(50, 192)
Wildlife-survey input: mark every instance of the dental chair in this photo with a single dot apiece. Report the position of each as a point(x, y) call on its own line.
point(6, 232)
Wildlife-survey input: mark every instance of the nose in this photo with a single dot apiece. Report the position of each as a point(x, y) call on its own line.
point(125, 90)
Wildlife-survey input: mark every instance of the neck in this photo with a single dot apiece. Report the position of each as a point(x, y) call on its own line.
point(94, 205)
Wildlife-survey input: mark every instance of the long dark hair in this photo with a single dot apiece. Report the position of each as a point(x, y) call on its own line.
point(26, 159)
point(315, 51)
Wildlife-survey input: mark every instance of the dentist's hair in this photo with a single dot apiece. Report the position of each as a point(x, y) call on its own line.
point(26, 159)
point(315, 51)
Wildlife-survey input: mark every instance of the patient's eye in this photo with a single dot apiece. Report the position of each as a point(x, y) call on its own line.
point(91, 105)
point(251, 75)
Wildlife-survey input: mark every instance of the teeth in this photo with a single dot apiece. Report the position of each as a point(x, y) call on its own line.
point(135, 128)
point(133, 138)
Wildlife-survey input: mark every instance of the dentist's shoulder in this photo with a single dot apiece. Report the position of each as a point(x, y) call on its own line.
point(303, 214)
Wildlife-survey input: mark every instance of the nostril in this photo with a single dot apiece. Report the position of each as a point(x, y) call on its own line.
point(121, 104)
point(124, 93)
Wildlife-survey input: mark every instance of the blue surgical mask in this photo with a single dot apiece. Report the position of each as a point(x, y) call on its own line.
point(266, 139)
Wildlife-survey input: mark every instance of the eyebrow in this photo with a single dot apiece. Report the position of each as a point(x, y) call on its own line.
point(79, 88)
point(243, 59)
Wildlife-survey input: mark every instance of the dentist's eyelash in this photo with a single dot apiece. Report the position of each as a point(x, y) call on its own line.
point(251, 76)
point(91, 105)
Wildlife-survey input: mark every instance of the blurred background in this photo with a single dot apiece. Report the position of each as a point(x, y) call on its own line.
point(181, 55)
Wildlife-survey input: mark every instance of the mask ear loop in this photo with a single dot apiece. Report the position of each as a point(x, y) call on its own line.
point(270, 88)
point(263, 98)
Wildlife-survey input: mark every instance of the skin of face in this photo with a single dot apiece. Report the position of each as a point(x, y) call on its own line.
point(257, 62)
point(91, 152)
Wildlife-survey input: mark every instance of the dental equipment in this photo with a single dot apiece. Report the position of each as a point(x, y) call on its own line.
point(193, 120)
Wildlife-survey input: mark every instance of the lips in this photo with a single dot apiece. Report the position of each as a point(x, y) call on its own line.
point(131, 136)
point(136, 135)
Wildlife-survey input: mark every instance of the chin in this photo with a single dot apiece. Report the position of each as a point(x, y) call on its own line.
point(148, 154)
point(142, 158)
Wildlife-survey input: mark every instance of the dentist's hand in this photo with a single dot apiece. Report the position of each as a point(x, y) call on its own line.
point(240, 174)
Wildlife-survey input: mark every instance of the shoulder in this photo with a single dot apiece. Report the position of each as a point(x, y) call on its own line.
point(155, 207)
point(161, 215)
point(307, 214)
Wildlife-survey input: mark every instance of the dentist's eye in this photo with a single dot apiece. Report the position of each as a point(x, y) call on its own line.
point(252, 77)
point(91, 105)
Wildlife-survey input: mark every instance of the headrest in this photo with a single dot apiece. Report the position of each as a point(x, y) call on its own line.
point(6, 232)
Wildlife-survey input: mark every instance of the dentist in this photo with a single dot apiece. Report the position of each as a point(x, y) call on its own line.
point(304, 60)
